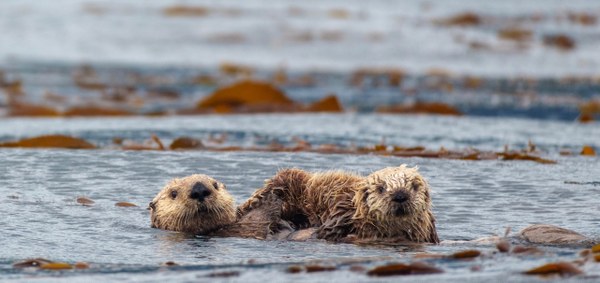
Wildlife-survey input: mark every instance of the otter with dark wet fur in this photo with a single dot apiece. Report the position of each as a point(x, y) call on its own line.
point(201, 205)
point(390, 204)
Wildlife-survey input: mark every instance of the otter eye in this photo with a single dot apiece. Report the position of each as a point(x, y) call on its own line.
point(173, 194)
point(415, 187)
point(380, 189)
point(216, 185)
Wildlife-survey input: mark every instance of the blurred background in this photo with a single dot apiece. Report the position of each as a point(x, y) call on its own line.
point(536, 59)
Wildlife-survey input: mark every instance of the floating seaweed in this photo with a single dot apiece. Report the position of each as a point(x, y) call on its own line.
point(85, 201)
point(559, 41)
point(46, 264)
point(421, 108)
point(468, 254)
point(125, 204)
point(563, 269)
point(416, 268)
point(463, 19)
point(51, 141)
point(185, 11)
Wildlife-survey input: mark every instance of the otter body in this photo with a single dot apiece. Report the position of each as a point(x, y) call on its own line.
point(201, 205)
point(392, 203)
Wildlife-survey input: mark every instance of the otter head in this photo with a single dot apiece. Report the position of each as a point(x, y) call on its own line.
point(396, 202)
point(195, 204)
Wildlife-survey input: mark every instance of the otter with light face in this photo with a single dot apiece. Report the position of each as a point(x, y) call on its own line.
point(392, 203)
point(201, 205)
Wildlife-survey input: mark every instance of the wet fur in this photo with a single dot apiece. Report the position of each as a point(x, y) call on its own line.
point(216, 215)
point(343, 206)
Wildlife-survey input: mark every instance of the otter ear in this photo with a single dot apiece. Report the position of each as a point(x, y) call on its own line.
point(415, 185)
point(421, 183)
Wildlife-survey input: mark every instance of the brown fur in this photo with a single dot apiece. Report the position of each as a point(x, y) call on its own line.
point(345, 205)
point(174, 209)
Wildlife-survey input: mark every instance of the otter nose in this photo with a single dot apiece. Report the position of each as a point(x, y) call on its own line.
point(199, 192)
point(400, 197)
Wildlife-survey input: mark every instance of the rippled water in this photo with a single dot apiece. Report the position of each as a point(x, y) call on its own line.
point(136, 46)
point(472, 199)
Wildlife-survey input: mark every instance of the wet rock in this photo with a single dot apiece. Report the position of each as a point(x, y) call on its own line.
point(550, 234)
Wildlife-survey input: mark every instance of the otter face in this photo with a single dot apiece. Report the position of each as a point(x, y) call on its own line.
point(195, 204)
point(396, 192)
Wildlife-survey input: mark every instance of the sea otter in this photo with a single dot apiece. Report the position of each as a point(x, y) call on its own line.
point(202, 205)
point(389, 204)
point(392, 203)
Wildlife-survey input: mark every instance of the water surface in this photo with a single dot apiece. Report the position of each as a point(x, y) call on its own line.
point(472, 199)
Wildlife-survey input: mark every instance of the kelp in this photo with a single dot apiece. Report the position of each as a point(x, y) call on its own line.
point(23, 109)
point(421, 108)
point(463, 19)
point(588, 151)
point(250, 96)
point(245, 93)
point(50, 141)
point(559, 41)
point(185, 11)
point(515, 34)
point(563, 269)
point(85, 201)
point(467, 254)
point(125, 204)
point(96, 111)
point(216, 144)
point(416, 268)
